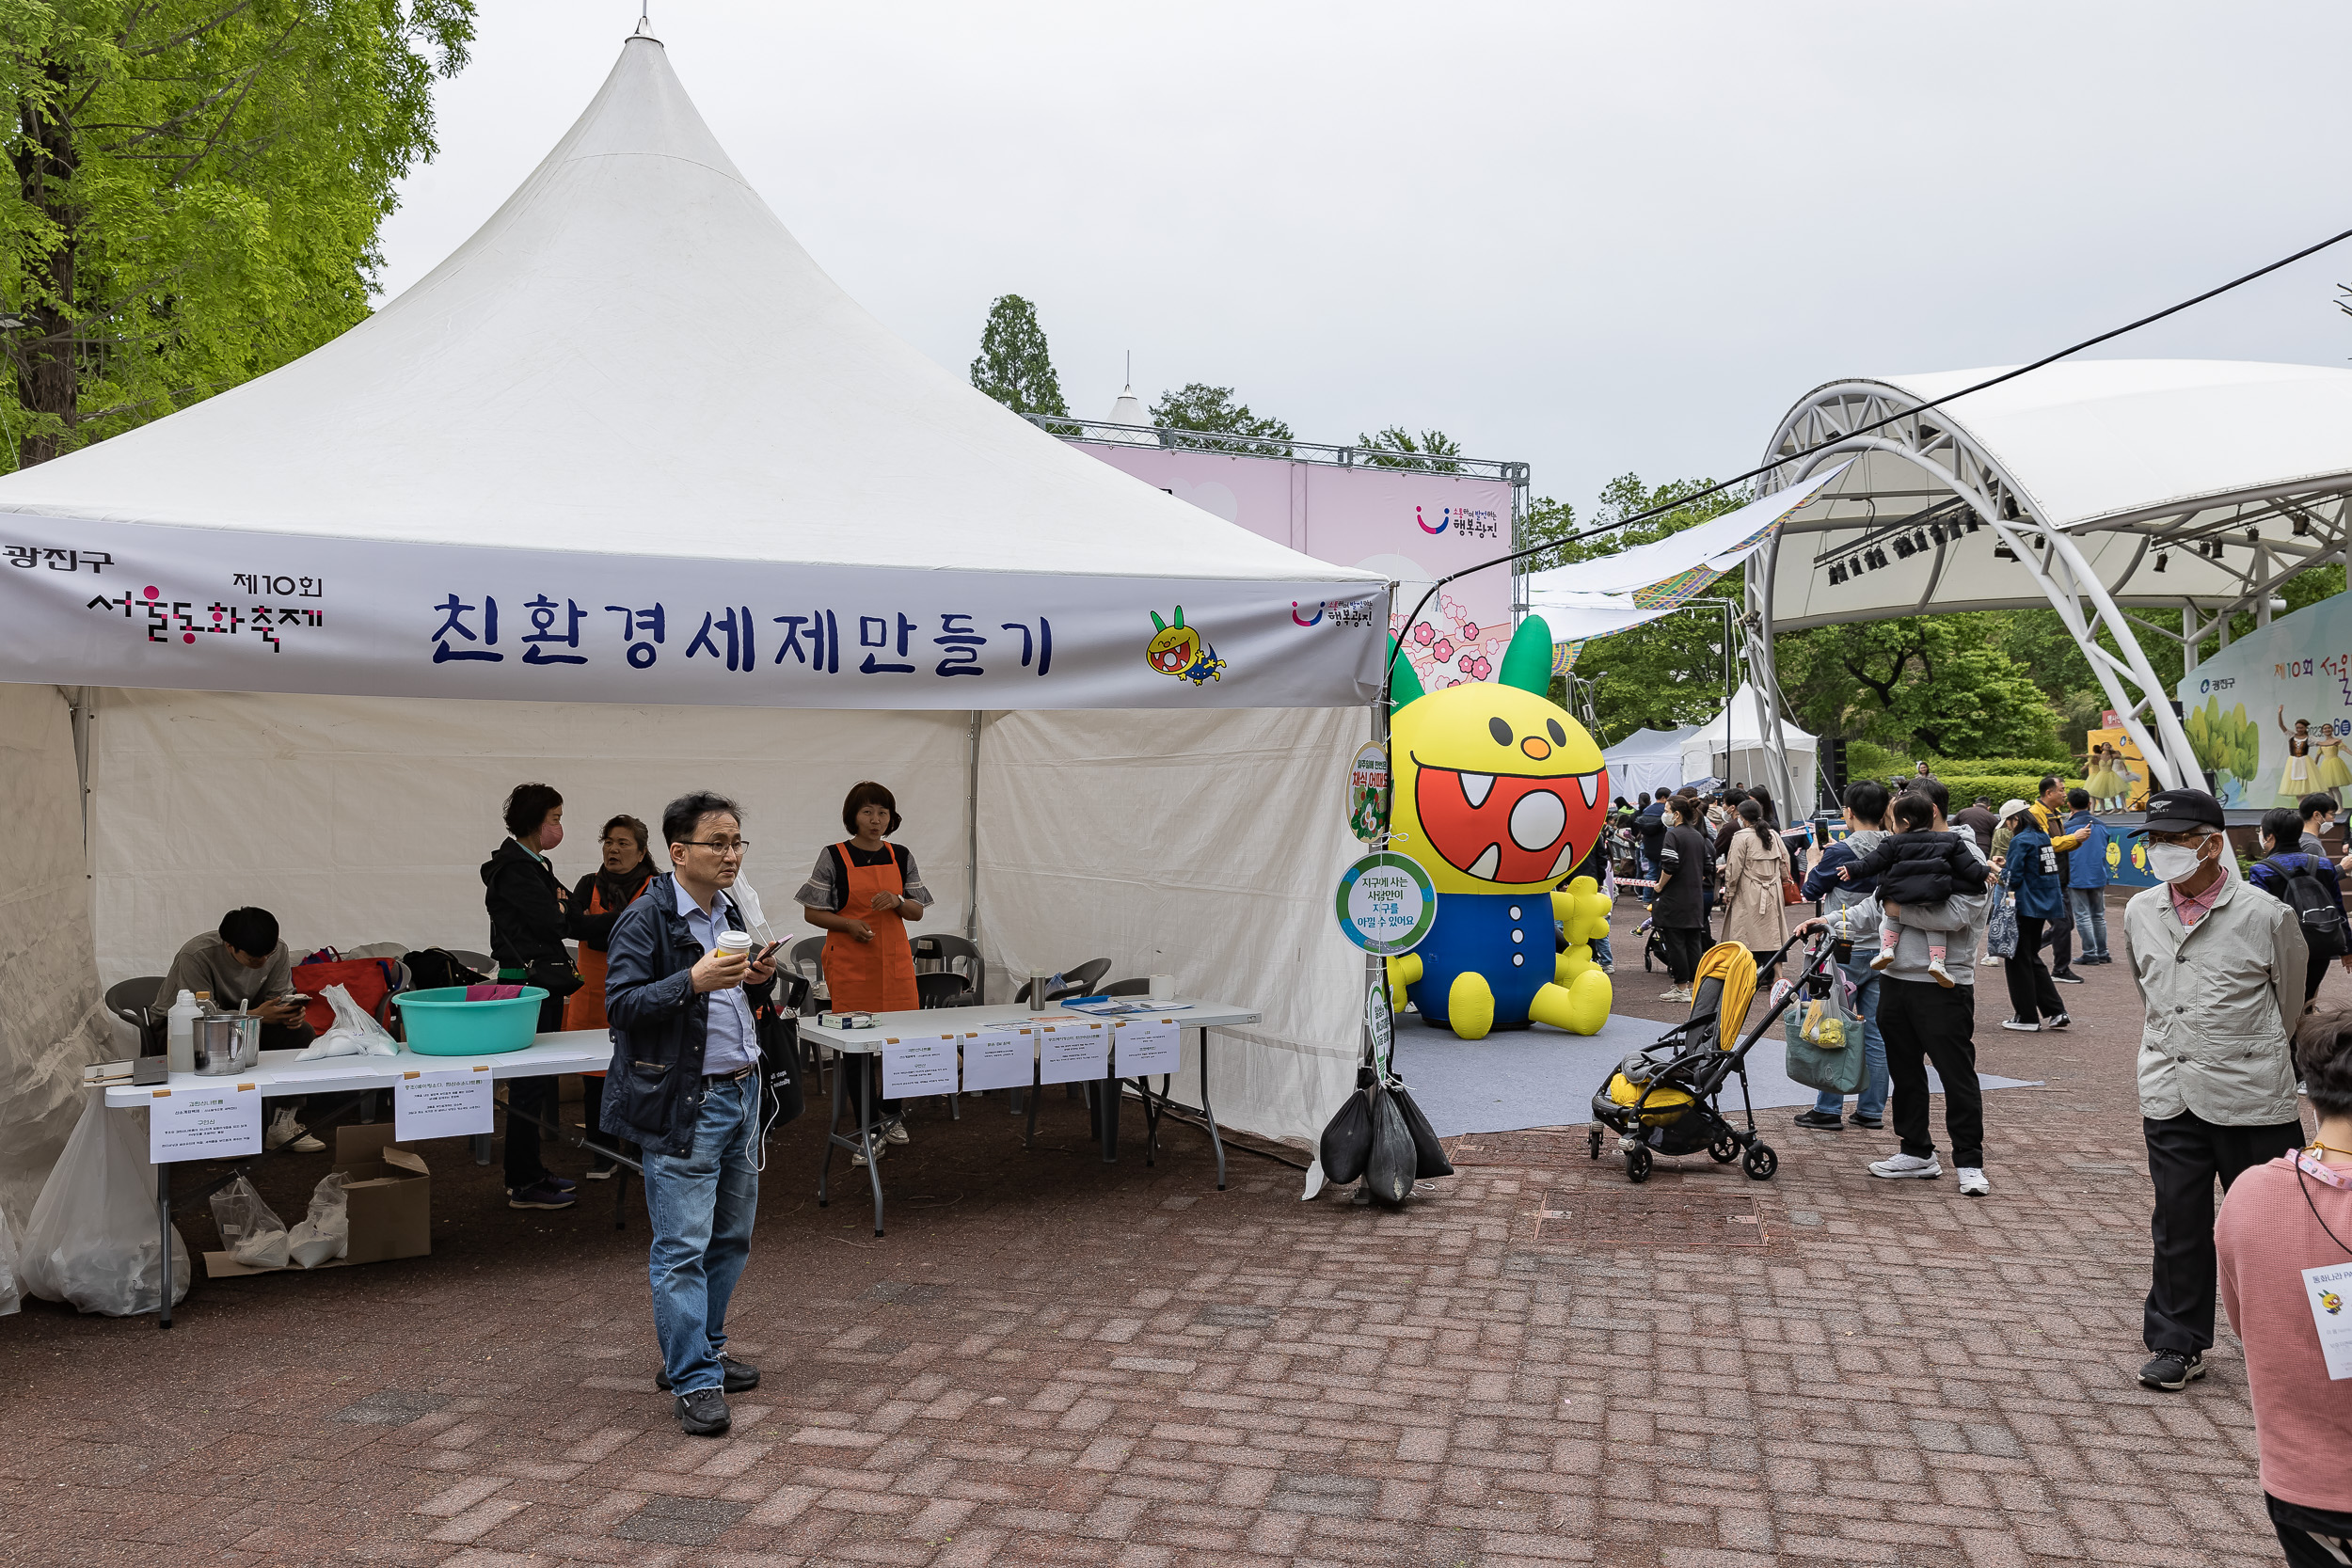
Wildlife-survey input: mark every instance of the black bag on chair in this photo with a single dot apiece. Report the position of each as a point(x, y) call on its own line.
point(1347, 1137)
point(780, 1068)
point(1429, 1154)
point(1388, 1172)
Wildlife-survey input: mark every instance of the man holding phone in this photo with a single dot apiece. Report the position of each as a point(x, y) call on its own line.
point(243, 961)
point(680, 979)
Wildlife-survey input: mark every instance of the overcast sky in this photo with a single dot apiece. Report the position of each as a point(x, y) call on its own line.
point(1593, 238)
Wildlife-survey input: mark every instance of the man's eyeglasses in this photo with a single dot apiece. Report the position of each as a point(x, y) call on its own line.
point(721, 845)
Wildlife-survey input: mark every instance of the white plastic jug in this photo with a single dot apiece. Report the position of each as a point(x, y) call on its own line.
point(180, 1033)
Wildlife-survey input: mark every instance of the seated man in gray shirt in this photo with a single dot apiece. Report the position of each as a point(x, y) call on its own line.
point(243, 961)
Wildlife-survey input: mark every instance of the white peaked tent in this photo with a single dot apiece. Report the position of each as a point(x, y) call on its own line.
point(1731, 747)
point(629, 497)
point(1648, 760)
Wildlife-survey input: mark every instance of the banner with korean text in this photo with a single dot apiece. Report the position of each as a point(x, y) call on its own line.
point(140, 605)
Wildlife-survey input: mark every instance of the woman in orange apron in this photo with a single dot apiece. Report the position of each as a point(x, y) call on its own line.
point(862, 894)
point(597, 902)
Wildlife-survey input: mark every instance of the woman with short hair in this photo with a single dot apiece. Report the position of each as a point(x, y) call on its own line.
point(862, 893)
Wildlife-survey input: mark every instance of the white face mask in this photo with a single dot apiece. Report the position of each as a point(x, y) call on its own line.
point(2173, 862)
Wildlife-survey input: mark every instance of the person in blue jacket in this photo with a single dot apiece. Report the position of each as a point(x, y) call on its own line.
point(1866, 804)
point(2280, 841)
point(2087, 877)
point(2030, 874)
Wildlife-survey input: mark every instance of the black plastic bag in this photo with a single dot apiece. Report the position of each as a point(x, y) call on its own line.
point(1388, 1173)
point(1347, 1137)
point(1430, 1154)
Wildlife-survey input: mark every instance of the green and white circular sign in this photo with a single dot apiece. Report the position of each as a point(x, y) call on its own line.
point(1387, 904)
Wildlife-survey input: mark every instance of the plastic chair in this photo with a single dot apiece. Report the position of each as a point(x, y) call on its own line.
point(480, 962)
point(1075, 982)
point(946, 951)
point(132, 1001)
point(942, 990)
point(1129, 988)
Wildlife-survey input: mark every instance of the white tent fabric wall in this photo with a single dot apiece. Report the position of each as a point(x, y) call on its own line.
point(1202, 845)
point(1198, 845)
point(1728, 746)
point(1648, 760)
point(53, 1022)
point(361, 819)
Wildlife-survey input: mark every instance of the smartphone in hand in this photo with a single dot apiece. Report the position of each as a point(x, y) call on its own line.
point(768, 953)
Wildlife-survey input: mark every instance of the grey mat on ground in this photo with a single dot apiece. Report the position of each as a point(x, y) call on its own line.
point(1542, 1078)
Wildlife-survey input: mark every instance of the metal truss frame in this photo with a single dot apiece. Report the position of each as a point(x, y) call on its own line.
point(2237, 534)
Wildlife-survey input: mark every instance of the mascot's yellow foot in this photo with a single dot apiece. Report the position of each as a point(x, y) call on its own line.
point(1470, 1006)
point(1581, 1008)
point(1403, 972)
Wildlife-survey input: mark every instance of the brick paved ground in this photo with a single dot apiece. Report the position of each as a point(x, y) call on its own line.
point(1052, 1361)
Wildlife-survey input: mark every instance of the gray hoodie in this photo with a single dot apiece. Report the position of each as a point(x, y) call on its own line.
point(1958, 922)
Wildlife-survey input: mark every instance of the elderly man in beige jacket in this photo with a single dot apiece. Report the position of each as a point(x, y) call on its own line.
point(2220, 969)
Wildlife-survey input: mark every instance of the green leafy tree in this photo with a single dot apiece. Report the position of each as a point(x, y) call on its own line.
point(1398, 448)
point(1196, 406)
point(198, 187)
point(1014, 366)
point(1930, 684)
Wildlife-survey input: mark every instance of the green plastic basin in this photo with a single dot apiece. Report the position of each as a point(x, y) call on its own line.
point(441, 1022)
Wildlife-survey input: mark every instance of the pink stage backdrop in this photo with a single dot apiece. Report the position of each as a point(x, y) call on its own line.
point(1414, 526)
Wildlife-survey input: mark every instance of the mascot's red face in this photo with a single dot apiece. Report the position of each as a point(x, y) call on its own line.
point(1505, 805)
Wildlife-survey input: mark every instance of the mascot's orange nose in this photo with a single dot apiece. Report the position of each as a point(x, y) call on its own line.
point(1537, 746)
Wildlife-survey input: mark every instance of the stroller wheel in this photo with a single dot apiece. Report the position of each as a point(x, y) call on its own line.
point(1724, 1149)
point(1595, 1138)
point(1637, 1165)
point(1760, 1164)
point(1646, 958)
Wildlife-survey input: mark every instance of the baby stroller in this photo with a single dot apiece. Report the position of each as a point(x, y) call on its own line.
point(1665, 1099)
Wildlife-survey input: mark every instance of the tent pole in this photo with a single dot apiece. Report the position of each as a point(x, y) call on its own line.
point(971, 842)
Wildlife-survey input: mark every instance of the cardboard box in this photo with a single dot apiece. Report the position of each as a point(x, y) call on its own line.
point(389, 1192)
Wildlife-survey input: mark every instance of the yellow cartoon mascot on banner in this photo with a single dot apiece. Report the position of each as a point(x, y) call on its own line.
point(1500, 794)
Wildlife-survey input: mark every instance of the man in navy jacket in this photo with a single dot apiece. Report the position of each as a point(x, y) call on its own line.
point(684, 1084)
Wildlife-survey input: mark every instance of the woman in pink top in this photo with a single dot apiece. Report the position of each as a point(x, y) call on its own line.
point(2284, 1243)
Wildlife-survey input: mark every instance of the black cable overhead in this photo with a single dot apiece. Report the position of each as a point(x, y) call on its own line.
point(1388, 670)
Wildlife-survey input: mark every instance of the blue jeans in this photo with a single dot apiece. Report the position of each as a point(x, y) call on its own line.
point(1600, 952)
point(703, 1203)
point(2091, 919)
point(1870, 1104)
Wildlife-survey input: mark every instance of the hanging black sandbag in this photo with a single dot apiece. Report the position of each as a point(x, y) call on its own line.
point(1429, 1154)
point(1388, 1173)
point(1347, 1137)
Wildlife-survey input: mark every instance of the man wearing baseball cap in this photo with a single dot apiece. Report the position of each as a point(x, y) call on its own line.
point(2220, 969)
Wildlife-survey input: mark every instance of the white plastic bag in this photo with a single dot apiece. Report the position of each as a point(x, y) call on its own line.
point(326, 1232)
point(91, 1242)
point(7, 1266)
point(251, 1231)
point(355, 1033)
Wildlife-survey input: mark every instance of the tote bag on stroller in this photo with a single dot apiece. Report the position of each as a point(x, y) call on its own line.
point(1821, 1036)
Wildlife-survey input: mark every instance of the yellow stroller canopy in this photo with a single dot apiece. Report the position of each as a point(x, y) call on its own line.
point(1724, 984)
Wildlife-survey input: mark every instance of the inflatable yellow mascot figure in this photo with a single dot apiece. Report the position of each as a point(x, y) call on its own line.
point(1499, 795)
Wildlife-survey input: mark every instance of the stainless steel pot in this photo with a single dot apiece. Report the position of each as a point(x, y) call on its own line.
point(227, 1044)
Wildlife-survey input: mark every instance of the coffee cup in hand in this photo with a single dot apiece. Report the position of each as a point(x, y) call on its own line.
point(736, 944)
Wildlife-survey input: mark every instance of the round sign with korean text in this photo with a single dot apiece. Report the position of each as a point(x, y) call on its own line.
point(1368, 792)
point(1387, 904)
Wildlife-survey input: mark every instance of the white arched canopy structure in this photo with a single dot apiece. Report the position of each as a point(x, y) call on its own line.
point(2109, 490)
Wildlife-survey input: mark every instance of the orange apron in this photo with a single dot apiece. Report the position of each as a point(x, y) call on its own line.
point(584, 1008)
point(876, 976)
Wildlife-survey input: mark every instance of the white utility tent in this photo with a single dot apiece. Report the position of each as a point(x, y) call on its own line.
point(1648, 760)
point(1732, 747)
point(629, 496)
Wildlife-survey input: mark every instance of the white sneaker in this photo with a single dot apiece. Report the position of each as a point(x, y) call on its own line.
point(1885, 959)
point(1909, 1167)
point(1943, 977)
point(895, 1133)
point(1972, 1182)
point(2021, 1028)
point(881, 1149)
point(286, 1132)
